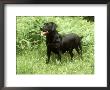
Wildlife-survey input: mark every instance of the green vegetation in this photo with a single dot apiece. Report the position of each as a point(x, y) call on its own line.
point(31, 48)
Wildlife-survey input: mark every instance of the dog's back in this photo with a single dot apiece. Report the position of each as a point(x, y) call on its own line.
point(71, 41)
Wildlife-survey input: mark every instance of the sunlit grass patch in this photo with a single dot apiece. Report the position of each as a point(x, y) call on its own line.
point(31, 57)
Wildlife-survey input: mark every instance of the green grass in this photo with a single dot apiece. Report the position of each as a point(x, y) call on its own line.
point(32, 61)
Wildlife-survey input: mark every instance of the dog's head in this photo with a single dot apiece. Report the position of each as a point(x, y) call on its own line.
point(48, 28)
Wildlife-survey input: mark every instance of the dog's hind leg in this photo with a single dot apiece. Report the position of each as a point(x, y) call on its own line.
point(80, 47)
point(71, 54)
point(79, 51)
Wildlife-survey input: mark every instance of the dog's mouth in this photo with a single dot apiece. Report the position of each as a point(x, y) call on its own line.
point(44, 33)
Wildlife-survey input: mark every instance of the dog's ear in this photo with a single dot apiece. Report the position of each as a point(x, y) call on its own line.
point(54, 26)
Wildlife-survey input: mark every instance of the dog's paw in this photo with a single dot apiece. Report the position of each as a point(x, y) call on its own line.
point(47, 62)
point(58, 62)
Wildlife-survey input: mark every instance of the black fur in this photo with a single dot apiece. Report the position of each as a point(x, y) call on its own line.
point(60, 44)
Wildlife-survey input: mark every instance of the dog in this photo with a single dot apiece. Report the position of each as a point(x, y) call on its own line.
point(60, 44)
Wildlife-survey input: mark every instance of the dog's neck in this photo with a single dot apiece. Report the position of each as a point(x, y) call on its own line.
point(50, 36)
point(52, 33)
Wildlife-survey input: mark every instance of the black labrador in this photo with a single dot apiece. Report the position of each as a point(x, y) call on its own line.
point(60, 44)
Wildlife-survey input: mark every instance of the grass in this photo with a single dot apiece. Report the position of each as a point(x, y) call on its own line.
point(32, 61)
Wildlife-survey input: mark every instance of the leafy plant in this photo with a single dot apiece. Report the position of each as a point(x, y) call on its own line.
point(31, 48)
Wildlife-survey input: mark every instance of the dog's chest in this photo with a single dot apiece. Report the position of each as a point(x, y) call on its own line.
point(54, 47)
point(53, 42)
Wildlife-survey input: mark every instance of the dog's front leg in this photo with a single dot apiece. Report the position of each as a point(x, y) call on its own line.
point(59, 55)
point(48, 55)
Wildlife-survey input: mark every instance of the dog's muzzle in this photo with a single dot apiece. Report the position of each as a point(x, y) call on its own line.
point(44, 33)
